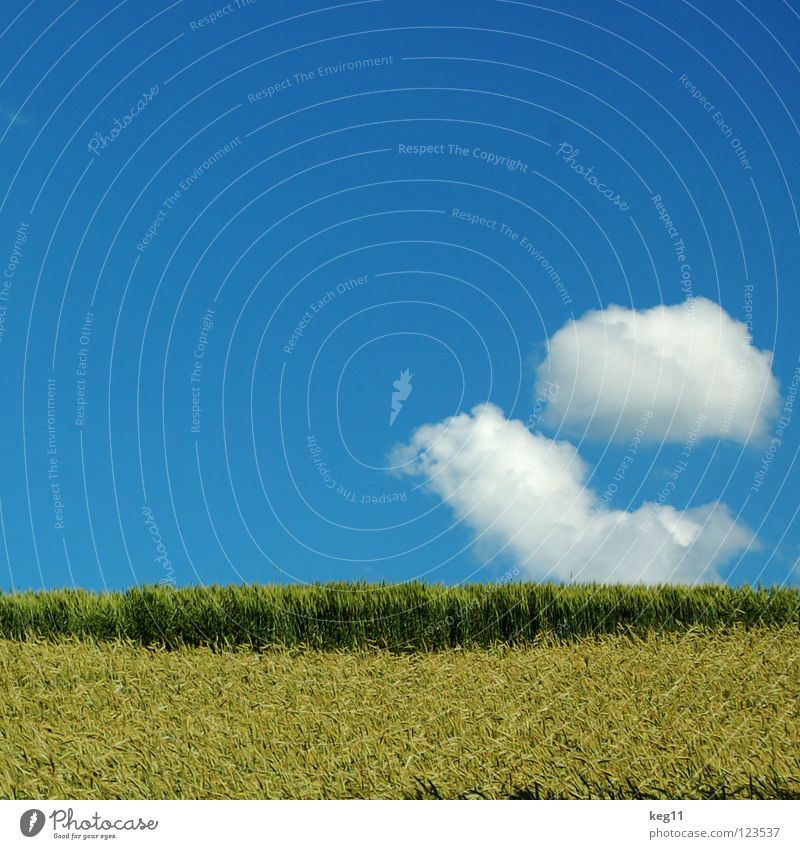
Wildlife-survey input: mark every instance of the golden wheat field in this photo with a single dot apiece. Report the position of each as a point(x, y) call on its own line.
point(688, 715)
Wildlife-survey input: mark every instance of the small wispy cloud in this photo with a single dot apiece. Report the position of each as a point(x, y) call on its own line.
point(402, 389)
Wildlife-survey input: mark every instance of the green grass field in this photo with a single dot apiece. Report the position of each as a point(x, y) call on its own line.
point(358, 691)
point(399, 617)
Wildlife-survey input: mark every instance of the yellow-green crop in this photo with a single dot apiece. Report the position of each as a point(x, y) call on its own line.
point(701, 713)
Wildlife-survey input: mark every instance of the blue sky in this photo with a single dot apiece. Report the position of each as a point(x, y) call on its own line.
point(226, 232)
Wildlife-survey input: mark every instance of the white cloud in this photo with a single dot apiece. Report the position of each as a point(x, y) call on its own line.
point(527, 493)
point(678, 361)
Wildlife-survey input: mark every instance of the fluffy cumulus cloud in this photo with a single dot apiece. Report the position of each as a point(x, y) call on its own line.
point(527, 494)
point(680, 362)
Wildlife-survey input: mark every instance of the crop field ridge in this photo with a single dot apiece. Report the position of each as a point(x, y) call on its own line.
point(397, 617)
